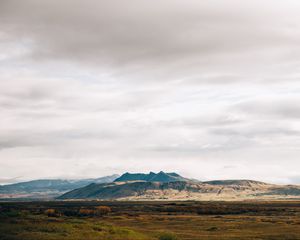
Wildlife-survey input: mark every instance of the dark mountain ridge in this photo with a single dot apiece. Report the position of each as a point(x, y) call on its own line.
point(151, 177)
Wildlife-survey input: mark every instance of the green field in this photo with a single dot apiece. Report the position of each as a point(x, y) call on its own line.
point(149, 220)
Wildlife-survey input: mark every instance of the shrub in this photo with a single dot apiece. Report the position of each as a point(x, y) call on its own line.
point(102, 210)
point(52, 213)
point(212, 229)
point(10, 213)
point(97, 211)
point(168, 236)
point(70, 212)
point(86, 212)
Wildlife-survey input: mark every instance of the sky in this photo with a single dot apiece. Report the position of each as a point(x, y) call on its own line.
point(209, 89)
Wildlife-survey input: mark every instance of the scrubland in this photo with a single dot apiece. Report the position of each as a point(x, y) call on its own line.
point(114, 220)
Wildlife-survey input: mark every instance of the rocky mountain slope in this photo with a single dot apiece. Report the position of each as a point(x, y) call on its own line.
point(137, 188)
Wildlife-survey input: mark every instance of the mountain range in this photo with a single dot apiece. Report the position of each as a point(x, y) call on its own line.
point(171, 186)
point(151, 186)
point(48, 188)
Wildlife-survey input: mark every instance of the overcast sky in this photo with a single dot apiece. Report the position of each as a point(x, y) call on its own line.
point(209, 89)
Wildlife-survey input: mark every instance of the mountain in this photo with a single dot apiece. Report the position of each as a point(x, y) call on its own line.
point(151, 177)
point(47, 188)
point(142, 187)
point(236, 182)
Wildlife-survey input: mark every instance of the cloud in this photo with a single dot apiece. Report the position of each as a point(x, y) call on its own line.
point(194, 41)
point(9, 180)
point(294, 179)
point(287, 107)
point(101, 86)
point(208, 120)
point(255, 131)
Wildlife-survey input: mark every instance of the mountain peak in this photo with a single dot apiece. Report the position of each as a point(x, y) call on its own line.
point(151, 177)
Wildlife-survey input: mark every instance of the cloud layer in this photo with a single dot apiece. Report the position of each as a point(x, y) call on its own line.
point(209, 89)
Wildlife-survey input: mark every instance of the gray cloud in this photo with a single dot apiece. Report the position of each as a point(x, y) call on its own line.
point(212, 120)
point(33, 137)
point(254, 131)
point(284, 108)
point(161, 41)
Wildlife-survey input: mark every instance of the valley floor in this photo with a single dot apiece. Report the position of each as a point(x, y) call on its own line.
point(149, 220)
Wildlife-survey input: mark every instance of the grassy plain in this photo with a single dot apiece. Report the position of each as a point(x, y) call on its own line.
point(150, 220)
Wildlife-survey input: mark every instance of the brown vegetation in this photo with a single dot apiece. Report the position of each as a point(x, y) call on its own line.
point(102, 210)
point(150, 220)
point(97, 211)
point(52, 213)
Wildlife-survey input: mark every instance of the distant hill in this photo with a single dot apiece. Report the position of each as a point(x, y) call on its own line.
point(47, 188)
point(143, 187)
point(151, 177)
point(235, 182)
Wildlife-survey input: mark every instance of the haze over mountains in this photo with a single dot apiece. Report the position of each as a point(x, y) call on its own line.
point(48, 188)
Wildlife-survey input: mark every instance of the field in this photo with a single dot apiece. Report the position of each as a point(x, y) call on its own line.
point(149, 220)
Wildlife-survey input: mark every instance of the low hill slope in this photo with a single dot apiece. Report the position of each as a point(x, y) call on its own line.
point(236, 182)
